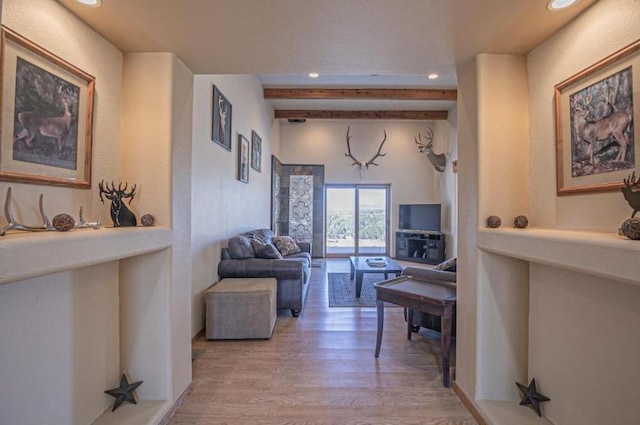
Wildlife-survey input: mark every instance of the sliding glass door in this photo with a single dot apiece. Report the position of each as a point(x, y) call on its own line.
point(357, 218)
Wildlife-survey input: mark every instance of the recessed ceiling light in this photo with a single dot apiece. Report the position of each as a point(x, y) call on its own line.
point(314, 75)
point(90, 3)
point(560, 4)
point(432, 76)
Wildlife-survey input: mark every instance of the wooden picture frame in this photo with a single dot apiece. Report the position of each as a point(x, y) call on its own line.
point(221, 119)
point(596, 124)
point(243, 159)
point(47, 116)
point(256, 151)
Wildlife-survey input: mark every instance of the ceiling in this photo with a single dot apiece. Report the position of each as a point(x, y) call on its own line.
point(351, 43)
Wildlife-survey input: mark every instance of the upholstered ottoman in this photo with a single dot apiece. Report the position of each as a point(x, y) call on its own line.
point(241, 308)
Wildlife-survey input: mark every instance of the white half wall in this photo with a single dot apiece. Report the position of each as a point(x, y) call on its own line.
point(221, 205)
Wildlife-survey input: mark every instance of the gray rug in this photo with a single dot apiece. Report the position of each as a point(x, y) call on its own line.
point(342, 290)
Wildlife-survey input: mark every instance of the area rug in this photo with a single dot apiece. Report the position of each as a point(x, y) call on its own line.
point(342, 290)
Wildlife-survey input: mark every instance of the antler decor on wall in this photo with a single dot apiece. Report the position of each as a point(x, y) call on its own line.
point(364, 167)
point(439, 160)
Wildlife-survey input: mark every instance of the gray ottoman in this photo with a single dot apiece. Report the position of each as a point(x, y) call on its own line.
point(241, 308)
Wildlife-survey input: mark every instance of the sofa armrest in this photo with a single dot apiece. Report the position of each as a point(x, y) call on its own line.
point(430, 274)
point(304, 247)
point(260, 267)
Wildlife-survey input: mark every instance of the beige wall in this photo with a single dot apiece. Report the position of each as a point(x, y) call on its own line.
point(221, 205)
point(410, 174)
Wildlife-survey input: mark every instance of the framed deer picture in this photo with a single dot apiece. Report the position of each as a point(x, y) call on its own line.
point(597, 124)
point(221, 120)
point(47, 116)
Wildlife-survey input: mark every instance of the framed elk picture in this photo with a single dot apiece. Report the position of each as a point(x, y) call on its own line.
point(597, 123)
point(221, 120)
point(47, 116)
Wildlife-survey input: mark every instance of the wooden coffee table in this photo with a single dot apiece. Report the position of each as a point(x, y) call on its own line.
point(359, 267)
point(428, 296)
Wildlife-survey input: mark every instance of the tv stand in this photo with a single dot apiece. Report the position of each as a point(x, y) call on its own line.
point(420, 246)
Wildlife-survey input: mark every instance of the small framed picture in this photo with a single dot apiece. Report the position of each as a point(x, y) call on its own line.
point(243, 159)
point(221, 120)
point(256, 151)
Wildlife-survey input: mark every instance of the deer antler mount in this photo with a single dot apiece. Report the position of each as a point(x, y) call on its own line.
point(438, 160)
point(364, 166)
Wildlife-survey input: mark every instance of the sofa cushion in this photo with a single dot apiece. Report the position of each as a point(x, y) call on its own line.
point(262, 235)
point(240, 248)
point(266, 250)
point(286, 245)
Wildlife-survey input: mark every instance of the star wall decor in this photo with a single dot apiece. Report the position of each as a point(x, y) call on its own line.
point(531, 396)
point(125, 392)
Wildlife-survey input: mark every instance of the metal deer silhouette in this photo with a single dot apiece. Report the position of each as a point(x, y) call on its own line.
point(364, 166)
point(438, 160)
point(120, 214)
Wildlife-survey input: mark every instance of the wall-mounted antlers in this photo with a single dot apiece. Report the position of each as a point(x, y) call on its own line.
point(365, 166)
point(439, 160)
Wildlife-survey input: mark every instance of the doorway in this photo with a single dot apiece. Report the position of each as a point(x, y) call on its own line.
point(357, 220)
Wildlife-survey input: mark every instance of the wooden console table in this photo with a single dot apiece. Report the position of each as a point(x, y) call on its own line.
point(428, 296)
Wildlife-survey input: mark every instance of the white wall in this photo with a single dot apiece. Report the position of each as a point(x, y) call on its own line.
point(412, 177)
point(221, 205)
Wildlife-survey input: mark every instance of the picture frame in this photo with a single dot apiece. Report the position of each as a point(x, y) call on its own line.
point(597, 123)
point(243, 159)
point(221, 119)
point(256, 151)
point(46, 104)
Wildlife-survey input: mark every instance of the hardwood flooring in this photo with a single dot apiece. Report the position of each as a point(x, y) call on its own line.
point(319, 369)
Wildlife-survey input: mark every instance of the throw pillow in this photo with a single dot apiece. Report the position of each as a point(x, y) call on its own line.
point(266, 250)
point(447, 266)
point(286, 245)
point(240, 248)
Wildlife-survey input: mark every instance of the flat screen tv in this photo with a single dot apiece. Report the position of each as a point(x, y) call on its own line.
point(420, 217)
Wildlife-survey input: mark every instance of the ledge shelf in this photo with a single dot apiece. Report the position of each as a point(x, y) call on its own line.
point(27, 255)
point(606, 255)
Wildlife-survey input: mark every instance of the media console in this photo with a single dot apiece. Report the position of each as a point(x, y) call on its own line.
point(420, 246)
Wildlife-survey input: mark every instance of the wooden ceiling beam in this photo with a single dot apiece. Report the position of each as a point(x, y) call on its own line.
point(396, 94)
point(363, 115)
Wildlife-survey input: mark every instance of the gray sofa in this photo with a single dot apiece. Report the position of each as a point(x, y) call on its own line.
point(427, 320)
point(242, 259)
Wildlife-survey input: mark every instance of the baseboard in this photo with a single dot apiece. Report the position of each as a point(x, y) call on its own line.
point(197, 335)
point(468, 404)
point(179, 402)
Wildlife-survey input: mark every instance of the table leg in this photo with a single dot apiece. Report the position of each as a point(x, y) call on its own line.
point(386, 276)
point(380, 309)
point(409, 323)
point(352, 270)
point(445, 343)
point(359, 276)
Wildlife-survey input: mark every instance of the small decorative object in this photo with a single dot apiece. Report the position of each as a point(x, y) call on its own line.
point(82, 224)
point(47, 135)
point(631, 228)
point(221, 131)
point(120, 214)
point(14, 225)
point(63, 222)
point(256, 151)
point(438, 160)
point(595, 112)
point(147, 220)
point(631, 192)
point(364, 167)
point(243, 159)
point(493, 221)
point(521, 222)
point(125, 392)
point(531, 396)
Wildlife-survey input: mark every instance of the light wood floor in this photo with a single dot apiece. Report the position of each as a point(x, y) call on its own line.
point(319, 369)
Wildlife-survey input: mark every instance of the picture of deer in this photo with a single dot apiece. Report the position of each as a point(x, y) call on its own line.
point(438, 160)
point(221, 125)
point(57, 127)
point(602, 124)
point(364, 166)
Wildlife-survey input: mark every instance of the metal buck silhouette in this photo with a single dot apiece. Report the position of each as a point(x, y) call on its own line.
point(438, 160)
point(120, 214)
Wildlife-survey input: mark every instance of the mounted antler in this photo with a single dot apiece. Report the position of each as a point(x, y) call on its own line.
point(438, 160)
point(365, 166)
point(120, 214)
